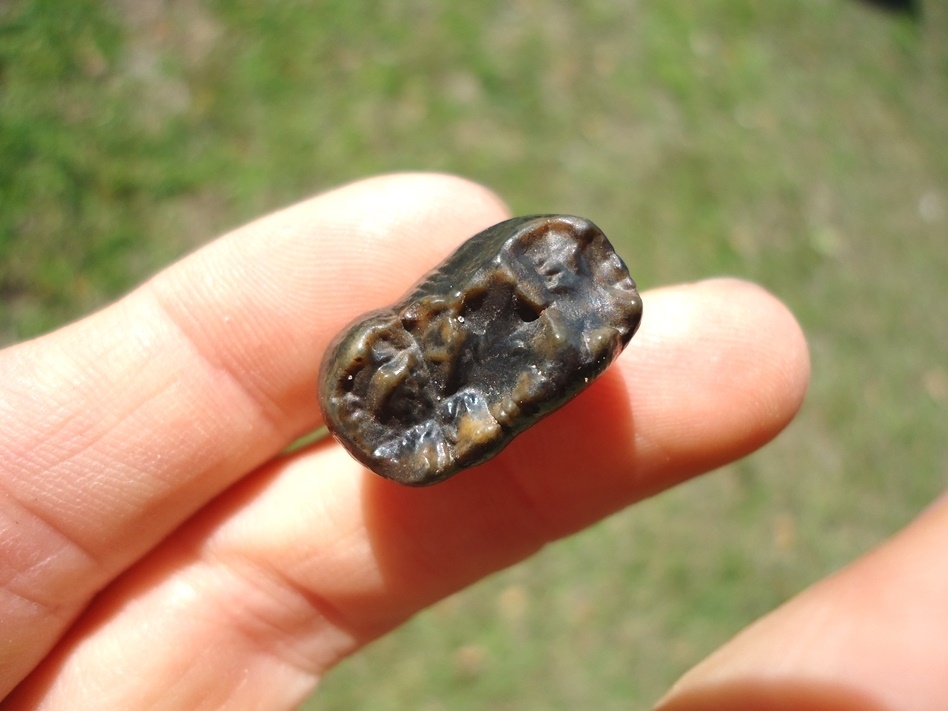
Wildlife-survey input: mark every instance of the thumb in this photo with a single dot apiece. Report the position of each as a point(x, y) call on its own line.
point(873, 637)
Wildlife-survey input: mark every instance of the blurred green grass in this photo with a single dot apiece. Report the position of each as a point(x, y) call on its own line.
point(801, 144)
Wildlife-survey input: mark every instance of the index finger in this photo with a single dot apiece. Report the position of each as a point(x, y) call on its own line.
point(119, 427)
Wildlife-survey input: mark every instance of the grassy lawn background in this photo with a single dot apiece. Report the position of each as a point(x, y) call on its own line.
point(802, 144)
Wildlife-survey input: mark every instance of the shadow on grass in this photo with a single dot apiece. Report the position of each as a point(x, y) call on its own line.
point(911, 8)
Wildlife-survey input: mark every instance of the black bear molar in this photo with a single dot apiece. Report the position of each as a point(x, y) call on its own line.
point(514, 324)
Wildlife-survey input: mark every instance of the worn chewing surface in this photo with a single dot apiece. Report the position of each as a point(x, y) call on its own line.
point(519, 320)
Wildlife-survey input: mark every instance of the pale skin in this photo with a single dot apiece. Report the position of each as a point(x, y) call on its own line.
point(156, 552)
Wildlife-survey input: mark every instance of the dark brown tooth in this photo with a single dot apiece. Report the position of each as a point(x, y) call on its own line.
point(515, 323)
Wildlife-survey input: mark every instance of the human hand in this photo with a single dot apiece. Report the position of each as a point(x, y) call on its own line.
point(873, 637)
point(157, 550)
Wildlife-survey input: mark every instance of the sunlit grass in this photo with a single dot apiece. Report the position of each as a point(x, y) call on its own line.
point(801, 144)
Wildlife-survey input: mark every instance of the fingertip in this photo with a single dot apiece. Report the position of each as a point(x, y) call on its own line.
point(437, 189)
point(426, 214)
point(774, 348)
point(717, 369)
point(755, 327)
